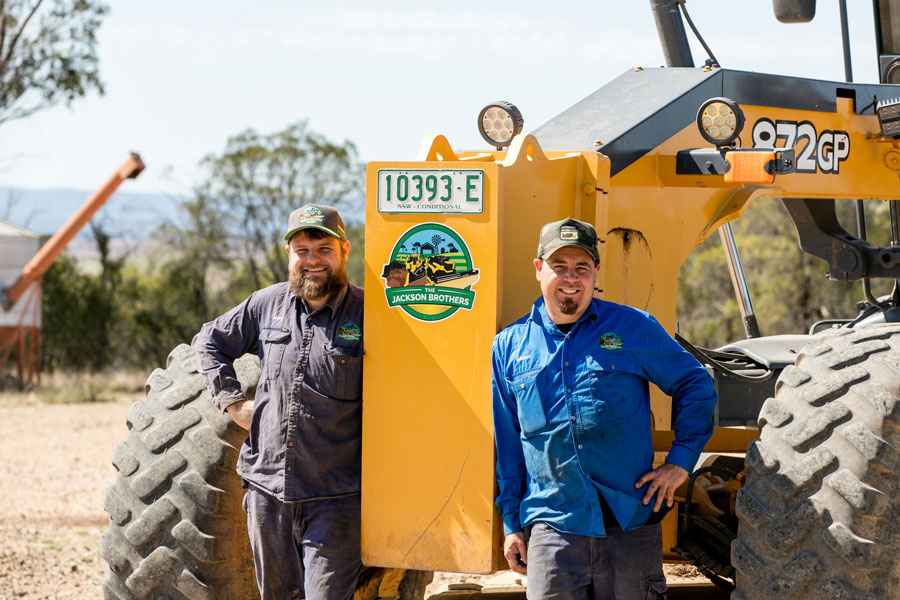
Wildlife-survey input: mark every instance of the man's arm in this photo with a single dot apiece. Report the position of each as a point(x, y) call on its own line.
point(510, 463)
point(679, 375)
point(220, 342)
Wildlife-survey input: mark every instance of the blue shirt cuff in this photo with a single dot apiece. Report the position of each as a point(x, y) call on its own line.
point(682, 457)
point(511, 527)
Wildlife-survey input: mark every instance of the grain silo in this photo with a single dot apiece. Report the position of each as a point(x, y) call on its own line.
point(21, 324)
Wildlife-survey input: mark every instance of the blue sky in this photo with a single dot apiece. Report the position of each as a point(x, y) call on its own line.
point(181, 77)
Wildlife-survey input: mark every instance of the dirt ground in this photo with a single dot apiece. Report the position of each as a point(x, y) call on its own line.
point(55, 466)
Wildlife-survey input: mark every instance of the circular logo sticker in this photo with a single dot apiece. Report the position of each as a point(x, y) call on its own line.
point(429, 273)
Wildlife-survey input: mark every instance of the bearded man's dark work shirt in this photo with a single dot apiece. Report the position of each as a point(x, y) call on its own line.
point(305, 432)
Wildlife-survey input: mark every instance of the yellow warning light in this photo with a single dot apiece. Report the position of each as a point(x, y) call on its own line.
point(756, 166)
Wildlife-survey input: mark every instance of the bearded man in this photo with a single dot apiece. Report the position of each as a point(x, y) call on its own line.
point(301, 460)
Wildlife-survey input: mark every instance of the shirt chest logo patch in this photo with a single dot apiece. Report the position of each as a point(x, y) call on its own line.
point(349, 332)
point(610, 341)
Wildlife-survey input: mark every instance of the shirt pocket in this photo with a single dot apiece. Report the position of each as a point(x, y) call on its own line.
point(344, 368)
point(528, 401)
point(617, 389)
point(274, 343)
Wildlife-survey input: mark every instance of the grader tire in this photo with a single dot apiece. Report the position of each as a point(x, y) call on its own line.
point(177, 530)
point(818, 515)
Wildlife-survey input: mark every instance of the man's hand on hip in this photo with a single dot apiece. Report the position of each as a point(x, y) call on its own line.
point(664, 480)
point(241, 412)
point(515, 552)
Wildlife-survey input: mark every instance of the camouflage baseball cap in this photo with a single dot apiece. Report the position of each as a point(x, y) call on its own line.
point(316, 216)
point(568, 232)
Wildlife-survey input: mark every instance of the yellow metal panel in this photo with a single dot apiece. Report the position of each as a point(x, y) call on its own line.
point(723, 440)
point(870, 170)
point(428, 459)
point(427, 443)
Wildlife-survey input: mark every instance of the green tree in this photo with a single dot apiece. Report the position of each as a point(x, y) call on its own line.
point(226, 243)
point(788, 287)
point(198, 251)
point(259, 179)
point(356, 265)
point(161, 305)
point(48, 53)
point(81, 310)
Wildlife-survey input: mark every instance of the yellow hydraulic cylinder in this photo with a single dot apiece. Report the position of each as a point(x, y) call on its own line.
point(449, 246)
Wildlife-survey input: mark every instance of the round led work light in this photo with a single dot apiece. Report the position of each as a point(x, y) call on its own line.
point(499, 122)
point(720, 121)
point(892, 72)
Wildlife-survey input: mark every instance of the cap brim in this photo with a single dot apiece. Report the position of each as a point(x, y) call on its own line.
point(548, 252)
point(290, 234)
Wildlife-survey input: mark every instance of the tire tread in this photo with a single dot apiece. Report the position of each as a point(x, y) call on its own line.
point(818, 515)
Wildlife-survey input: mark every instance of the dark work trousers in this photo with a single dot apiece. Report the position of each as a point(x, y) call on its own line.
point(625, 565)
point(304, 549)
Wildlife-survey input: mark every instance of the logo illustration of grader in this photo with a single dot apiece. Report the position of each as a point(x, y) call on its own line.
point(423, 270)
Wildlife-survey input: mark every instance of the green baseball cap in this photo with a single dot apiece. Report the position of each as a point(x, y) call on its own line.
point(316, 216)
point(568, 232)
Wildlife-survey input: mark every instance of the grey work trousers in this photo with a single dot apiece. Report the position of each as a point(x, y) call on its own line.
point(304, 549)
point(625, 565)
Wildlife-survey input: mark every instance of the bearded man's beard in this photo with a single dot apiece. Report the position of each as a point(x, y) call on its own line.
point(309, 289)
point(567, 307)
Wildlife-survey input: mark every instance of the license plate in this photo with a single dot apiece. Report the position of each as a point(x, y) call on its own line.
point(430, 191)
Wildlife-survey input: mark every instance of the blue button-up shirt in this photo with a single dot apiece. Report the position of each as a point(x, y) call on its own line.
point(572, 416)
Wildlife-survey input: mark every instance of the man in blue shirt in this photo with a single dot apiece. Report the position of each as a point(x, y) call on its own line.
point(572, 427)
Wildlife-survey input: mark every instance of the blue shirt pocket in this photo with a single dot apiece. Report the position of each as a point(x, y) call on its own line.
point(617, 388)
point(528, 401)
point(273, 341)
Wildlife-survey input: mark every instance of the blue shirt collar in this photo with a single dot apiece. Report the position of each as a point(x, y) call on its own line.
point(540, 317)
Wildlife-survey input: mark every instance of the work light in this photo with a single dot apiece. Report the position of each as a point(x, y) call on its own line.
point(499, 122)
point(720, 121)
point(891, 71)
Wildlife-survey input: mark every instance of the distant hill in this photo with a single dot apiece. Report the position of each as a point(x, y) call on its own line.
point(129, 215)
point(125, 214)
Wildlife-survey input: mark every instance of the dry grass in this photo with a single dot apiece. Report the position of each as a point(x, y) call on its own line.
point(75, 388)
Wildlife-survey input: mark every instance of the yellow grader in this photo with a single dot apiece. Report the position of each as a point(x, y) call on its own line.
point(796, 494)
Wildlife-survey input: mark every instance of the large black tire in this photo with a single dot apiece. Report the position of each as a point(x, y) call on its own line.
point(177, 530)
point(819, 509)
